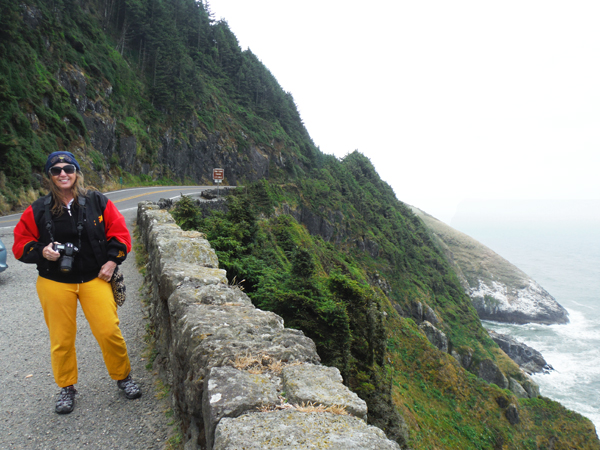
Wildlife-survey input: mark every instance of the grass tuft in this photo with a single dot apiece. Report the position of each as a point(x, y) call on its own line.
point(260, 364)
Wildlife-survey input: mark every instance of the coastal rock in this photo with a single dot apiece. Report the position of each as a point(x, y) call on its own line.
point(512, 414)
point(499, 290)
point(416, 311)
point(502, 401)
point(399, 310)
point(430, 315)
point(516, 388)
point(532, 389)
point(421, 311)
point(296, 430)
point(489, 371)
point(464, 359)
point(527, 303)
point(435, 336)
point(529, 359)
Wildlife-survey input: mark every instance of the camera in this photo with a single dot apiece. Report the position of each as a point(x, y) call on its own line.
point(68, 252)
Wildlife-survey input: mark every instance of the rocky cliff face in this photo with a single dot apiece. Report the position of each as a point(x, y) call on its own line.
point(499, 290)
point(192, 157)
point(187, 149)
point(239, 378)
point(190, 152)
point(331, 226)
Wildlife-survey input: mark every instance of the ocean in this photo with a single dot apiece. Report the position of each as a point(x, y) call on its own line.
point(557, 243)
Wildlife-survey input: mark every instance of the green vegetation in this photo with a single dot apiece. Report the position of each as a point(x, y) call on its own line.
point(342, 295)
point(153, 67)
point(323, 242)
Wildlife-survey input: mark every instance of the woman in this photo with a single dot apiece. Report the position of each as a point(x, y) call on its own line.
point(77, 238)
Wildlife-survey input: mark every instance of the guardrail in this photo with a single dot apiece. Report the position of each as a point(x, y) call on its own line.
point(238, 377)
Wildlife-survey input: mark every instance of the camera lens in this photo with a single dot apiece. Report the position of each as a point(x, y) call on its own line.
point(67, 251)
point(66, 264)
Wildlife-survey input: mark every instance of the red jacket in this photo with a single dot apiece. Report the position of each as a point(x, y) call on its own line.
point(108, 238)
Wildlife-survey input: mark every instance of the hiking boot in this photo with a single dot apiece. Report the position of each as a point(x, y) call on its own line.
point(66, 400)
point(129, 387)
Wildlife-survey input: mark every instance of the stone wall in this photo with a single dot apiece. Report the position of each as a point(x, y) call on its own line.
point(238, 377)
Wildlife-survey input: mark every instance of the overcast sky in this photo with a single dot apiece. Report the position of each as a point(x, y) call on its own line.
point(451, 100)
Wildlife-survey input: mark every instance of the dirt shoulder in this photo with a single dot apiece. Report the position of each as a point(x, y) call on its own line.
point(103, 418)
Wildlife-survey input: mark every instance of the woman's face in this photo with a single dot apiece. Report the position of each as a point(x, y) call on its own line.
point(63, 180)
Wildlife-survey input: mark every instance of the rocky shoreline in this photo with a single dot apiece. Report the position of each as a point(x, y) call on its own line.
point(499, 290)
point(529, 359)
point(526, 303)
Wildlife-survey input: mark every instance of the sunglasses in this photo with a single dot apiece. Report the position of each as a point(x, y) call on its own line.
point(69, 169)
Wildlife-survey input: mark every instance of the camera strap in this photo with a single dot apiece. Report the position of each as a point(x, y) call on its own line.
point(81, 200)
point(48, 217)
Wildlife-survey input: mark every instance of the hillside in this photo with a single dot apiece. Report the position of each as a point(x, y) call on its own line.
point(142, 92)
point(334, 275)
point(499, 290)
point(154, 91)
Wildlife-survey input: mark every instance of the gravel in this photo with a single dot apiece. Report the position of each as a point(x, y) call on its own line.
point(103, 418)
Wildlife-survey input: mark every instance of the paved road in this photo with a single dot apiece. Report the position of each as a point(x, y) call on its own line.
point(103, 418)
point(127, 199)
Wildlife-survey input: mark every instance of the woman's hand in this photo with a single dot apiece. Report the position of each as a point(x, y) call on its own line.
point(49, 253)
point(106, 272)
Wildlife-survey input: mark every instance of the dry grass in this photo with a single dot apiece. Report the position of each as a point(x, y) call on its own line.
point(282, 405)
point(237, 284)
point(305, 407)
point(314, 408)
point(4, 205)
point(260, 364)
point(24, 199)
point(111, 185)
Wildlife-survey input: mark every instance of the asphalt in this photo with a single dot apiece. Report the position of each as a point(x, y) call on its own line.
point(103, 418)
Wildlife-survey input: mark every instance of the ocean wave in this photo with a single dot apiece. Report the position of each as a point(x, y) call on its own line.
point(573, 350)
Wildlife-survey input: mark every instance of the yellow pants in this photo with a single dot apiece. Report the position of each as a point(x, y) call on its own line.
point(59, 302)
